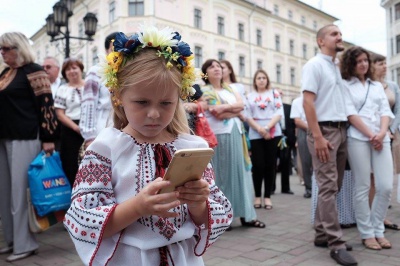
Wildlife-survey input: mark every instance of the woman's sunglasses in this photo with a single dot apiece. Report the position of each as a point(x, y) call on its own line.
point(6, 49)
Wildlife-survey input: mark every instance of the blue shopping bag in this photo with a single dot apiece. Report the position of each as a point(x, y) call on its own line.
point(49, 187)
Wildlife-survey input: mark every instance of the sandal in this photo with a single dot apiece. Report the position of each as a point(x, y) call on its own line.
point(268, 207)
point(371, 243)
point(392, 226)
point(384, 243)
point(254, 223)
point(257, 206)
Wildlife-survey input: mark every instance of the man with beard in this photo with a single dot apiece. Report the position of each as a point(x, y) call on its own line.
point(323, 94)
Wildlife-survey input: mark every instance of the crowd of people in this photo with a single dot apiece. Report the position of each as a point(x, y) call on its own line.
point(116, 139)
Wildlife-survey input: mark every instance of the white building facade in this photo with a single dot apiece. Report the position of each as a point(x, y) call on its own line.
point(392, 8)
point(275, 35)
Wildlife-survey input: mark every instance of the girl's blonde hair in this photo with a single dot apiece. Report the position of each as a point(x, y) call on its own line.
point(147, 66)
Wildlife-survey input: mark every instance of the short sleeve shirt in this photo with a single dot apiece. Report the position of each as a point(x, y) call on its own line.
point(69, 98)
point(321, 76)
point(264, 106)
point(370, 103)
point(297, 110)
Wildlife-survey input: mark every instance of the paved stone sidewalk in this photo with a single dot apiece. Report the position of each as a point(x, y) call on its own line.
point(287, 240)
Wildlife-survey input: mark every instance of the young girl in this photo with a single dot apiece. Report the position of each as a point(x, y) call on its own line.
point(117, 217)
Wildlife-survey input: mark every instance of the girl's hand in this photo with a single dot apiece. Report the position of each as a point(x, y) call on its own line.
point(151, 203)
point(194, 193)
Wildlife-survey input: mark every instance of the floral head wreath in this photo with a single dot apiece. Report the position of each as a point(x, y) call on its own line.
point(167, 43)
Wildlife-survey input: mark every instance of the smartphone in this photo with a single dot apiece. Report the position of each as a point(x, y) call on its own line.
point(186, 165)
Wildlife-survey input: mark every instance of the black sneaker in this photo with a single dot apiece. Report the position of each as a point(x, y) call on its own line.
point(342, 257)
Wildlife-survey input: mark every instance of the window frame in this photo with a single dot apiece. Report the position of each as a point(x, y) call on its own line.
point(197, 18)
point(133, 5)
point(221, 25)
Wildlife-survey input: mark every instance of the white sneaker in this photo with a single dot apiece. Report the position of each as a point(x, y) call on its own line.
point(5, 250)
point(14, 257)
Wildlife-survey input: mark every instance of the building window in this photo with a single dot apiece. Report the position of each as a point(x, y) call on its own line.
point(242, 66)
point(259, 37)
point(276, 10)
point(135, 8)
point(95, 58)
point(198, 56)
point(290, 15)
point(391, 46)
point(390, 15)
point(398, 74)
point(303, 20)
point(221, 55)
point(315, 25)
point(292, 76)
point(197, 18)
point(277, 42)
point(46, 50)
point(80, 29)
point(397, 11)
point(241, 31)
point(397, 44)
point(291, 47)
point(304, 51)
point(221, 26)
point(259, 64)
point(111, 11)
point(278, 73)
point(315, 50)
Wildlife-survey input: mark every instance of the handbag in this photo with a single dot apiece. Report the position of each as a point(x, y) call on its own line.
point(202, 128)
point(38, 224)
point(50, 190)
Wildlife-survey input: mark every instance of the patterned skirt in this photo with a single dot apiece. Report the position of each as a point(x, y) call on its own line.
point(344, 200)
point(231, 176)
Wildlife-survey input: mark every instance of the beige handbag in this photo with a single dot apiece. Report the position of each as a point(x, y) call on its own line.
point(38, 224)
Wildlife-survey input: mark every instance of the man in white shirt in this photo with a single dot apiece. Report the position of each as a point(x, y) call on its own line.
point(52, 68)
point(324, 105)
point(297, 113)
point(96, 104)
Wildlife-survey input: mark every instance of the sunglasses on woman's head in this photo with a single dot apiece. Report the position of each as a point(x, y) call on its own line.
point(6, 49)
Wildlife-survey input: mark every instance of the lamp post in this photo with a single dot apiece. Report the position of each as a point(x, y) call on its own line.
point(62, 11)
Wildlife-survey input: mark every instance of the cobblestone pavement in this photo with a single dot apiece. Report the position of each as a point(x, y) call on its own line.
point(287, 240)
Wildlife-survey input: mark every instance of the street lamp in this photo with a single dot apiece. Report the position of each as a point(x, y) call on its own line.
point(62, 11)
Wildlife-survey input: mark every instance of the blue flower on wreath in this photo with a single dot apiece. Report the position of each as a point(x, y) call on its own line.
point(124, 44)
point(177, 36)
point(184, 49)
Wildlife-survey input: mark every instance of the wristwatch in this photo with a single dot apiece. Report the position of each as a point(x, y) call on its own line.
point(266, 128)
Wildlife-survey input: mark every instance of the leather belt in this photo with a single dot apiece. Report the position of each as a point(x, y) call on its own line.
point(334, 124)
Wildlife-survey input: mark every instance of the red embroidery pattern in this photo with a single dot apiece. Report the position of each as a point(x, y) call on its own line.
point(166, 228)
point(94, 172)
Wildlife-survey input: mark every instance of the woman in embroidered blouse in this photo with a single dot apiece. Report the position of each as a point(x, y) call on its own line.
point(378, 72)
point(229, 161)
point(265, 131)
point(27, 124)
point(368, 146)
point(68, 107)
point(117, 216)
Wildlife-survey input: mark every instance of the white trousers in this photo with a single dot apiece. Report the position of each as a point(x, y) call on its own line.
point(363, 161)
point(15, 157)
